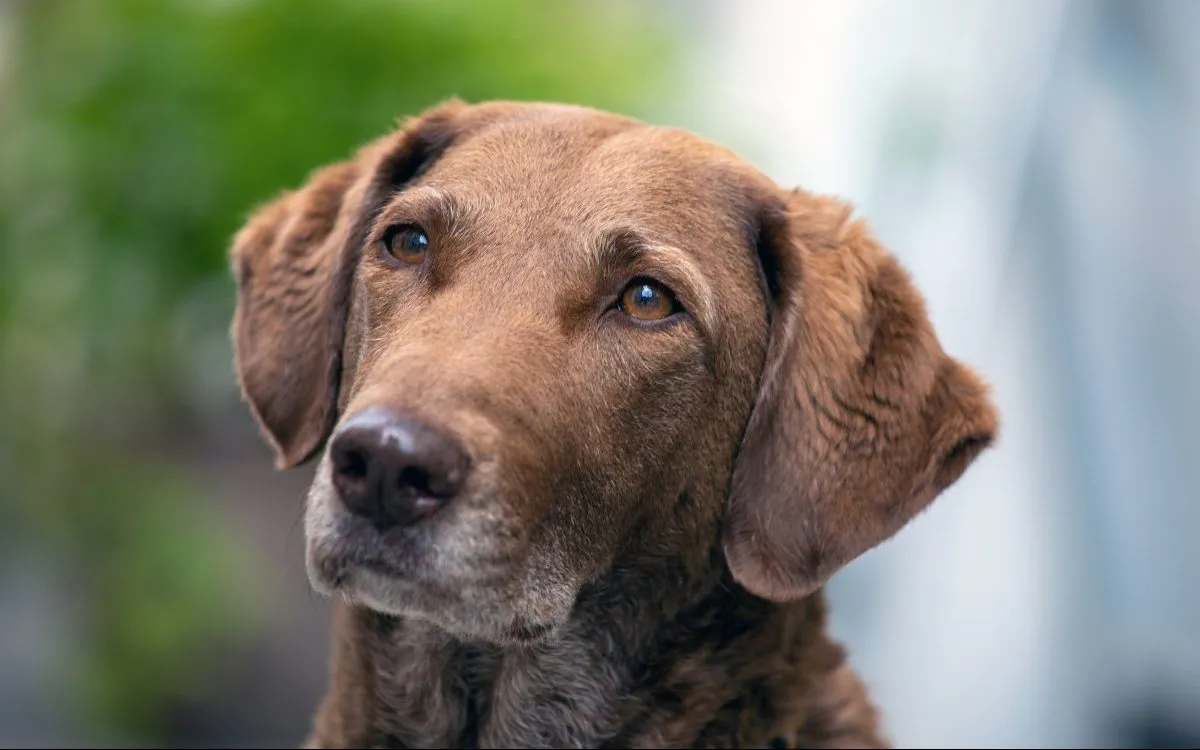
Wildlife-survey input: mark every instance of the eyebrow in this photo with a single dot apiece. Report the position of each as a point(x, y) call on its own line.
point(449, 210)
point(624, 248)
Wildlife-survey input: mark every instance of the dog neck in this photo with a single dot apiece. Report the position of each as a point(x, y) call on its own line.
point(725, 669)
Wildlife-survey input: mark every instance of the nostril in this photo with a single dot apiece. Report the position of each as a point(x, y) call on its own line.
point(350, 463)
point(352, 478)
point(415, 497)
point(413, 479)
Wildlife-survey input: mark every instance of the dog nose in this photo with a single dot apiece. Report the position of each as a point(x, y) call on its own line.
point(394, 470)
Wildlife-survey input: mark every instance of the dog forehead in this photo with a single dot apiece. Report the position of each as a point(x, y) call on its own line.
point(577, 168)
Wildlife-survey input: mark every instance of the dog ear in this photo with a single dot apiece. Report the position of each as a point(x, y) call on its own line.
point(861, 419)
point(294, 263)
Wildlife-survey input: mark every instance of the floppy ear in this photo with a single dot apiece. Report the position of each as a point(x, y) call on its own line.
point(861, 419)
point(294, 262)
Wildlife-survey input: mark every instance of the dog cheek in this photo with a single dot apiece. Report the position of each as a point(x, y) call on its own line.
point(664, 412)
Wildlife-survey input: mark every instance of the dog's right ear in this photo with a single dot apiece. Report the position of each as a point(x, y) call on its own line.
point(294, 262)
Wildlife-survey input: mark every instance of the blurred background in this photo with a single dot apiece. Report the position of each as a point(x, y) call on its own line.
point(1035, 163)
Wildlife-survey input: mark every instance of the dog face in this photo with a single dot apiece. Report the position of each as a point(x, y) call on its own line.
point(531, 342)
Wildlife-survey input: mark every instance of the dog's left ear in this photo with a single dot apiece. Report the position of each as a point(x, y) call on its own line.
point(861, 419)
point(294, 262)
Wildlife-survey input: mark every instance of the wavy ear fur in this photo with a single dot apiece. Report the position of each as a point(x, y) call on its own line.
point(861, 418)
point(294, 262)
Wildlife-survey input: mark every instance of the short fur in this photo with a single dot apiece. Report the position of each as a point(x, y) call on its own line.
point(637, 557)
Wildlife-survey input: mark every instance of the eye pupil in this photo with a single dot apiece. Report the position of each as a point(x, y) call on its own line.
point(648, 301)
point(415, 240)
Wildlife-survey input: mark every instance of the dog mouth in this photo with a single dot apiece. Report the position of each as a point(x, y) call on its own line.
point(366, 571)
point(470, 570)
point(531, 633)
point(334, 558)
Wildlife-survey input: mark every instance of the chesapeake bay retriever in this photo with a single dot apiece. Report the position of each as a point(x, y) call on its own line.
point(598, 409)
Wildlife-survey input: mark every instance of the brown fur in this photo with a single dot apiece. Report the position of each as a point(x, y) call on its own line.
point(636, 558)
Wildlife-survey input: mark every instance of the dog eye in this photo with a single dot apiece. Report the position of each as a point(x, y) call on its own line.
point(648, 300)
point(406, 243)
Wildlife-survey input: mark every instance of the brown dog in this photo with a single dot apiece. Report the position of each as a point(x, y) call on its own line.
point(599, 409)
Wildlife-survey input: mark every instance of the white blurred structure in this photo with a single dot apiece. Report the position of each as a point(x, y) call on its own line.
point(1036, 165)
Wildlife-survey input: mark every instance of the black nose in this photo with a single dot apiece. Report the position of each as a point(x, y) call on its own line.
point(394, 470)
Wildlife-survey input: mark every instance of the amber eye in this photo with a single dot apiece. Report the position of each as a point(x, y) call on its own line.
point(406, 243)
point(648, 301)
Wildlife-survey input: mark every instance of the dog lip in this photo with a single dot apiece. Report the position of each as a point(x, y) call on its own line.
point(531, 632)
point(356, 544)
point(381, 568)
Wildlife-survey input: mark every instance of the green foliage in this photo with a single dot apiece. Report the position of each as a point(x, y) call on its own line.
point(135, 137)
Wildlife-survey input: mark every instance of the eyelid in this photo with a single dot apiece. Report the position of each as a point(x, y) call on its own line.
point(391, 230)
point(432, 210)
point(386, 229)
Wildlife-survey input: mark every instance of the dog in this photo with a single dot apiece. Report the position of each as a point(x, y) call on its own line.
point(598, 409)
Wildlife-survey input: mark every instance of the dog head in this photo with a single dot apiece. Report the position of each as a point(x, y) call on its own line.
point(527, 341)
